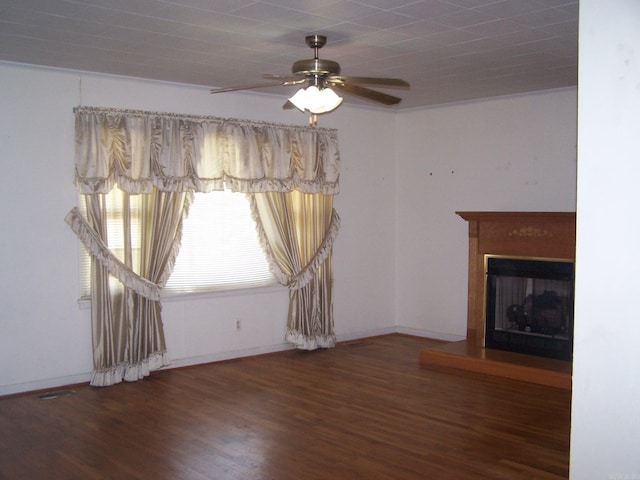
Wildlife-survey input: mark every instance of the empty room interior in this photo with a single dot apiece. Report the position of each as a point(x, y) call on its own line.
point(280, 239)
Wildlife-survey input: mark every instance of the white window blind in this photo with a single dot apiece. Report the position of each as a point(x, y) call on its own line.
point(220, 248)
point(113, 201)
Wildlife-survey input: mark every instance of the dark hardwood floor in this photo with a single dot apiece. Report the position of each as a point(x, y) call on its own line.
point(366, 409)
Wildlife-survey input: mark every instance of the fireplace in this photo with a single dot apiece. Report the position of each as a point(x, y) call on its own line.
point(529, 305)
point(521, 275)
point(527, 259)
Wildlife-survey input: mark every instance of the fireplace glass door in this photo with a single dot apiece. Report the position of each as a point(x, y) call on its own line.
point(529, 305)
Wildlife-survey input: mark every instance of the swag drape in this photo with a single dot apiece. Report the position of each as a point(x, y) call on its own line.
point(297, 230)
point(128, 339)
point(164, 158)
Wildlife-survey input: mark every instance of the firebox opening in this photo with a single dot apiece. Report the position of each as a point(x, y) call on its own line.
point(529, 305)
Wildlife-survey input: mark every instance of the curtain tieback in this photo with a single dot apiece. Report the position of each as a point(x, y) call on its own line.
point(304, 276)
point(98, 250)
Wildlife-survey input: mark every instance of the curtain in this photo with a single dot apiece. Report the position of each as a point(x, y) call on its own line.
point(128, 338)
point(297, 231)
point(140, 150)
point(164, 158)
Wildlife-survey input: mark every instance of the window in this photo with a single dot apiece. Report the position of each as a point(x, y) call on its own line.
point(219, 248)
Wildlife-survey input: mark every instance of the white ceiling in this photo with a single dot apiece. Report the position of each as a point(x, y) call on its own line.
point(449, 50)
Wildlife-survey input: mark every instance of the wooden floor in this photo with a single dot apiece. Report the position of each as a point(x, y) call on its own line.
point(366, 409)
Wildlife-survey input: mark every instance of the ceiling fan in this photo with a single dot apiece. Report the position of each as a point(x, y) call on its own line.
point(320, 75)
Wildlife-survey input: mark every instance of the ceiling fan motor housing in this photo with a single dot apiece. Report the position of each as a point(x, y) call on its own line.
point(316, 66)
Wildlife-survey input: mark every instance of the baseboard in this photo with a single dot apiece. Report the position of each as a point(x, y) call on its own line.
point(46, 384)
point(348, 337)
point(228, 355)
point(58, 382)
point(446, 337)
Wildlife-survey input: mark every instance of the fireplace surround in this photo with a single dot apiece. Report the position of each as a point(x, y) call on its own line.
point(531, 237)
point(528, 236)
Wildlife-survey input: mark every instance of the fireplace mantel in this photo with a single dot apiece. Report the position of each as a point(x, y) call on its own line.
point(526, 234)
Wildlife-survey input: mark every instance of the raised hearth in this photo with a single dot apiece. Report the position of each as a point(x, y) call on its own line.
point(465, 355)
point(549, 235)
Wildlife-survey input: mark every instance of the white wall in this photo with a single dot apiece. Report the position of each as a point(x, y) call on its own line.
point(45, 335)
point(511, 153)
point(605, 433)
point(396, 227)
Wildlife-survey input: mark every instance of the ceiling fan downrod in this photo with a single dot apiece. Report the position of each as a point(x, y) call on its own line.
point(315, 66)
point(316, 42)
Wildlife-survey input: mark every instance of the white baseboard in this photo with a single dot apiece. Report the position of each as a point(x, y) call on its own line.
point(447, 337)
point(46, 384)
point(347, 337)
point(58, 382)
point(229, 355)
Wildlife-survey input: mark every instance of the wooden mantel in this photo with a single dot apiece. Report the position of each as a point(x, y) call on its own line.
point(526, 234)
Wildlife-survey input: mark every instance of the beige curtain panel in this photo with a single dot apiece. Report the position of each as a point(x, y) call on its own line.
point(128, 336)
point(164, 158)
point(297, 231)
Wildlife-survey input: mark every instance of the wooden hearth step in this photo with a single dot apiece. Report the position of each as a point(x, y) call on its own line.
point(528, 368)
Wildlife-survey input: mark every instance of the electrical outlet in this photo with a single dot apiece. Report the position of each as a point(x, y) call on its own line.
point(238, 324)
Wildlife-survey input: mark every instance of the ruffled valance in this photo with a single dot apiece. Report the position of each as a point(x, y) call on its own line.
point(139, 150)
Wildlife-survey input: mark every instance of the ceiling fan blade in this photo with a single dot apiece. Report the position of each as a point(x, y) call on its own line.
point(283, 78)
point(369, 94)
point(245, 87)
point(380, 82)
point(286, 81)
point(288, 105)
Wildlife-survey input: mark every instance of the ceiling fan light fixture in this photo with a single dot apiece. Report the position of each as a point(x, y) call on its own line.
point(299, 99)
point(316, 100)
